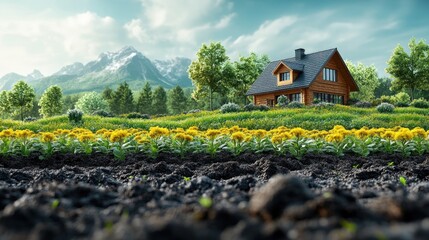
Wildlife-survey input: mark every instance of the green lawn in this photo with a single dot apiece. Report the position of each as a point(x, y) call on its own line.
point(308, 118)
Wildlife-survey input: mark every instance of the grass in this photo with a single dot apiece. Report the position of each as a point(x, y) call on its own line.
point(308, 118)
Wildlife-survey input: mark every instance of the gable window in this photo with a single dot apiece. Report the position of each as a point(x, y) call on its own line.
point(285, 76)
point(329, 74)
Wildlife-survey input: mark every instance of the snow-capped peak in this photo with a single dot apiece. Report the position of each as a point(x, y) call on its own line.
point(36, 74)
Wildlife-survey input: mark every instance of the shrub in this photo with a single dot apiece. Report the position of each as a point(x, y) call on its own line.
point(402, 98)
point(102, 113)
point(385, 108)
point(91, 102)
point(230, 107)
point(401, 104)
point(387, 99)
point(323, 105)
point(316, 101)
point(376, 102)
point(363, 104)
point(352, 101)
point(250, 107)
point(30, 119)
point(263, 108)
point(75, 115)
point(282, 101)
point(194, 111)
point(420, 103)
point(135, 115)
point(295, 104)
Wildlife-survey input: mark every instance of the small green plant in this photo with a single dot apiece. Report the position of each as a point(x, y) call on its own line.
point(75, 116)
point(355, 166)
point(55, 203)
point(403, 181)
point(351, 227)
point(385, 108)
point(205, 202)
point(391, 164)
point(295, 104)
point(186, 179)
point(230, 107)
point(420, 103)
point(282, 101)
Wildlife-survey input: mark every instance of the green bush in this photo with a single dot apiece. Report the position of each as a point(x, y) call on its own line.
point(376, 102)
point(401, 98)
point(420, 103)
point(194, 111)
point(230, 107)
point(401, 104)
point(363, 104)
point(295, 104)
point(135, 115)
point(252, 107)
point(387, 99)
point(30, 119)
point(102, 113)
point(385, 108)
point(282, 101)
point(324, 105)
point(263, 108)
point(75, 115)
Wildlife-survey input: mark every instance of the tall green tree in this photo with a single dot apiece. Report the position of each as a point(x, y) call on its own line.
point(384, 88)
point(91, 102)
point(21, 98)
point(51, 102)
point(123, 101)
point(69, 102)
point(211, 71)
point(177, 100)
point(366, 78)
point(247, 69)
point(144, 102)
point(410, 71)
point(159, 101)
point(5, 107)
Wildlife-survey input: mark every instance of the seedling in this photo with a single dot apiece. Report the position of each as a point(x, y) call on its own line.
point(391, 164)
point(206, 202)
point(55, 203)
point(186, 179)
point(349, 226)
point(403, 181)
point(356, 166)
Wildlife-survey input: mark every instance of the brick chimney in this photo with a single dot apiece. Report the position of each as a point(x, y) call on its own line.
point(299, 53)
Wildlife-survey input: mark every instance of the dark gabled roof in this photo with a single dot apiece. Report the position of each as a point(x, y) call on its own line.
point(310, 66)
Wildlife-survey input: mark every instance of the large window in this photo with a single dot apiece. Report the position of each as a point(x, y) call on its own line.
point(295, 97)
point(326, 97)
point(330, 74)
point(285, 76)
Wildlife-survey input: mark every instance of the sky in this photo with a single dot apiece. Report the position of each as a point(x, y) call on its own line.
point(49, 34)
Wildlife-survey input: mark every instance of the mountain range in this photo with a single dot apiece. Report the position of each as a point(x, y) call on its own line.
point(109, 70)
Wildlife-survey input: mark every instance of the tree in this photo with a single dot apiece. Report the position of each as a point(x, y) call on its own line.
point(366, 78)
point(247, 69)
point(212, 70)
point(384, 88)
point(69, 102)
point(51, 102)
point(410, 71)
point(144, 102)
point(122, 101)
point(177, 100)
point(91, 102)
point(21, 97)
point(160, 101)
point(5, 108)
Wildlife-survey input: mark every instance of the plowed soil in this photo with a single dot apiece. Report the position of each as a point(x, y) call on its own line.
point(254, 196)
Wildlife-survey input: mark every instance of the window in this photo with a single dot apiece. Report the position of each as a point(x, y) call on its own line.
point(330, 74)
point(285, 76)
point(326, 97)
point(295, 97)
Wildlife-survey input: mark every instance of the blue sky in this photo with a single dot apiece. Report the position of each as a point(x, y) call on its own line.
point(48, 34)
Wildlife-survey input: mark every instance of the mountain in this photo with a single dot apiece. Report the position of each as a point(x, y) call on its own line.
point(176, 70)
point(8, 80)
point(111, 69)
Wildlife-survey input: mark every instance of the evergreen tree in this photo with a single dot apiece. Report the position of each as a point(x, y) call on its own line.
point(159, 101)
point(122, 101)
point(5, 107)
point(51, 102)
point(144, 103)
point(21, 98)
point(177, 101)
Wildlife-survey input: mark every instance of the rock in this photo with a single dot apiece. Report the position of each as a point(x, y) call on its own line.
point(280, 192)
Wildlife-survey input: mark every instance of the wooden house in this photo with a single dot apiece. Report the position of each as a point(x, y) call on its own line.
point(321, 75)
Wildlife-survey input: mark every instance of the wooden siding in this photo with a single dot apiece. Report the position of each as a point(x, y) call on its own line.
point(262, 99)
point(340, 87)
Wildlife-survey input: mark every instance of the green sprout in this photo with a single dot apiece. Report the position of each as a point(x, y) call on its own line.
point(349, 226)
point(356, 166)
point(391, 164)
point(55, 203)
point(403, 181)
point(206, 202)
point(186, 179)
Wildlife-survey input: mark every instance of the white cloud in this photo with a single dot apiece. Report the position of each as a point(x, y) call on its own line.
point(49, 43)
point(225, 21)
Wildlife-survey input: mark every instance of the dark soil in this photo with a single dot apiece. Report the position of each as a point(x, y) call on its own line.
point(254, 196)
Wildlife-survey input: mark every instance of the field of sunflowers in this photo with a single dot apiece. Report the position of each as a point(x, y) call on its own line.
point(296, 142)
